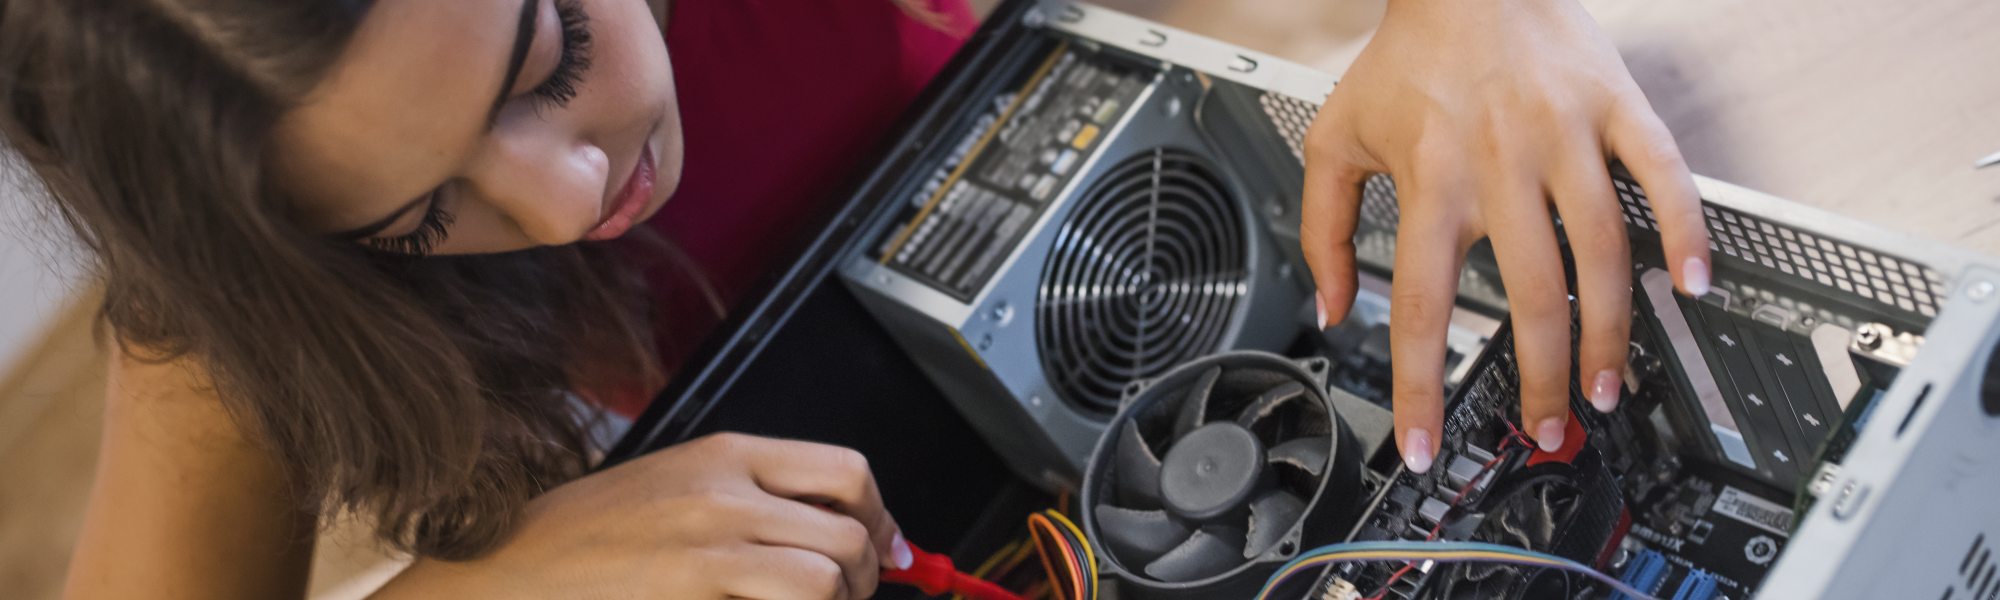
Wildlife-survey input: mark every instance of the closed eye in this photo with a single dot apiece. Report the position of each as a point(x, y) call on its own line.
point(431, 231)
point(561, 85)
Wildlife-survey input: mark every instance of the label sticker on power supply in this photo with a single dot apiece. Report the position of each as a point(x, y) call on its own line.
point(978, 206)
point(1758, 512)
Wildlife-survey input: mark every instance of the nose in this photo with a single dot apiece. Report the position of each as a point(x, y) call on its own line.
point(551, 189)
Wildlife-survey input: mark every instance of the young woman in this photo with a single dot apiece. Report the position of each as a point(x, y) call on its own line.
point(372, 256)
point(355, 259)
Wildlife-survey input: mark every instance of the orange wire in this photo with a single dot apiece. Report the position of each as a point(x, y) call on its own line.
point(1069, 558)
point(1042, 527)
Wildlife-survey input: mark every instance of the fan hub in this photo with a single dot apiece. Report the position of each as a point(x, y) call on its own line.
point(1211, 471)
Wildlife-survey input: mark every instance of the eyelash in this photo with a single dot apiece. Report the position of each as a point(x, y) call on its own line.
point(428, 234)
point(561, 84)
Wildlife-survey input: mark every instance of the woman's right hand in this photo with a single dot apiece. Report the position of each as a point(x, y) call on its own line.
point(724, 516)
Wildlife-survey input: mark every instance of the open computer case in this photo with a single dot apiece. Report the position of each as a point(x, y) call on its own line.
point(1075, 266)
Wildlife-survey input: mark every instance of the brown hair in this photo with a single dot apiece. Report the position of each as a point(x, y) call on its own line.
point(431, 395)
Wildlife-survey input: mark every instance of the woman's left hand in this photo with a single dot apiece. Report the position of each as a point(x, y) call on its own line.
point(1487, 113)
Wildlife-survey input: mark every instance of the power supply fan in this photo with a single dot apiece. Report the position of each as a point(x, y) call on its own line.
point(1144, 275)
point(1218, 471)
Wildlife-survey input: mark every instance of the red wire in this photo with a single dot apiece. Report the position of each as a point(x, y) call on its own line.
point(1514, 435)
point(1463, 491)
point(1392, 581)
point(1454, 504)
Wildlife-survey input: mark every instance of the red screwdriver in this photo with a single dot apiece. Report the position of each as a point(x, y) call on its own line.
point(933, 574)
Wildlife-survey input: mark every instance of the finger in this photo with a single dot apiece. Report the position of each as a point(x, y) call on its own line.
point(1329, 210)
point(831, 476)
point(778, 573)
point(1596, 229)
point(1531, 266)
point(780, 522)
point(1638, 139)
point(1430, 248)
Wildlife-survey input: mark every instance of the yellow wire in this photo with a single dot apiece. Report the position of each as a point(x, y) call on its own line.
point(1021, 555)
point(991, 561)
point(995, 559)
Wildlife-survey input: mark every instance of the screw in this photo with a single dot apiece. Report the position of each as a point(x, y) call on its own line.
point(1868, 337)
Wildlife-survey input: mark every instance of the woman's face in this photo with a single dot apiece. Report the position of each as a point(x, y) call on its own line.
point(467, 126)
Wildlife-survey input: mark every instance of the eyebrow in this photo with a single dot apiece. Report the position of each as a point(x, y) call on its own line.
point(524, 36)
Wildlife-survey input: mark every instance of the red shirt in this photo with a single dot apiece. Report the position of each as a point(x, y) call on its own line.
point(778, 100)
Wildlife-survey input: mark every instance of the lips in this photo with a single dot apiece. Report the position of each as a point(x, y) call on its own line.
point(630, 201)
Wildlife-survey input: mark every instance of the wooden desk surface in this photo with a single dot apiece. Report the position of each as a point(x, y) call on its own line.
point(1875, 110)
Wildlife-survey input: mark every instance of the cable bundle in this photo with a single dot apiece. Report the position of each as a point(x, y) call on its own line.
point(1437, 552)
point(1069, 560)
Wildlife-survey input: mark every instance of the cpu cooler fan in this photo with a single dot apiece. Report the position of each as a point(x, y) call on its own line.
point(1217, 472)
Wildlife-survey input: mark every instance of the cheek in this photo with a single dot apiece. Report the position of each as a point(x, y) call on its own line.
point(672, 155)
point(630, 56)
point(673, 145)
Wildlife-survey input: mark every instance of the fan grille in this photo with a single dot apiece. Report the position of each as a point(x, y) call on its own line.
point(1144, 275)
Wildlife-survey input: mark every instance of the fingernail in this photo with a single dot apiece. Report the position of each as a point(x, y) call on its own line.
point(899, 552)
point(1604, 391)
point(1319, 305)
point(1694, 277)
point(1417, 450)
point(1550, 434)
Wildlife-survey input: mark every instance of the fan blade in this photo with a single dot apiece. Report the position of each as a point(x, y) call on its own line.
point(1138, 536)
point(1138, 470)
point(1268, 402)
point(1195, 408)
point(1212, 551)
point(1271, 517)
point(1305, 453)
